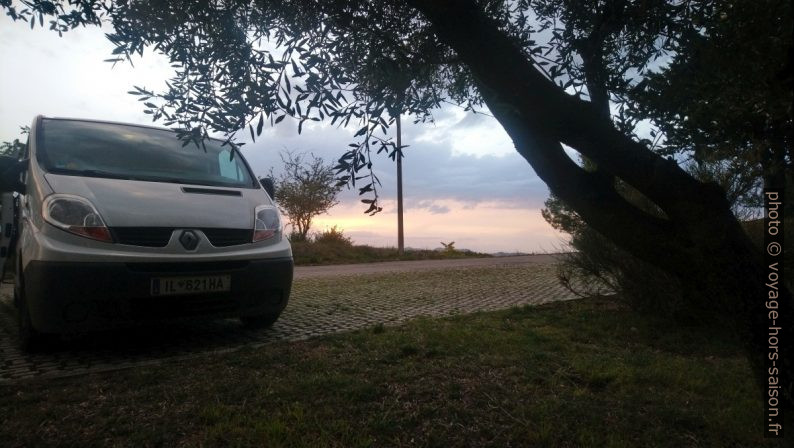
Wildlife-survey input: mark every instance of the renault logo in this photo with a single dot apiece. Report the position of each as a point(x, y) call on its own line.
point(189, 239)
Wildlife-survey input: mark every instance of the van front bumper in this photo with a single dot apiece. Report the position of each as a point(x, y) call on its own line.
point(68, 297)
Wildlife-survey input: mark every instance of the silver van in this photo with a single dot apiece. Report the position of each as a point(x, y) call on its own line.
point(114, 224)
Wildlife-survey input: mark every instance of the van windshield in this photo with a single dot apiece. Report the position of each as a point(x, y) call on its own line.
point(88, 148)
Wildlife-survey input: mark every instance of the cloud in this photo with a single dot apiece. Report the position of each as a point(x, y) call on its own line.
point(462, 176)
point(462, 156)
point(66, 77)
point(432, 170)
point(432, 207)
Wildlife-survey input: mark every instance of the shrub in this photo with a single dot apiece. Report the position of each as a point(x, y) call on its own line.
point(598, 267)
point(333, 236)
point(333, 247)
point(449, 248)
point(296, 237)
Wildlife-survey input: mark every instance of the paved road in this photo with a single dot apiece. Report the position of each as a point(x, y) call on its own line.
point(324, 300)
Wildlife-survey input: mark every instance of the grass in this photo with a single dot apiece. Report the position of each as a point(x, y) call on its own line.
point(321, 253)
point(580, 373)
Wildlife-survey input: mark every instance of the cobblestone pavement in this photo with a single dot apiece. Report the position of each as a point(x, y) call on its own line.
point(319, 305)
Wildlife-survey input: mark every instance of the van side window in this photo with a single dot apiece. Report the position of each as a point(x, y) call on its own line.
point(24, 154)
point(229, 168)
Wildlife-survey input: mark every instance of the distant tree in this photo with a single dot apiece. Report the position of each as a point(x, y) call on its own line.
point(13, 148)
point(306, 188)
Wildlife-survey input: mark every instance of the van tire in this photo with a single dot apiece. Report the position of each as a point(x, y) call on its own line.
point(18, 281)
point(30, 339)
point(259, 321)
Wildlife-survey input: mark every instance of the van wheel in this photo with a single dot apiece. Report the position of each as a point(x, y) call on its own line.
point(30, 339)
point(17, 282)
point(259, 321)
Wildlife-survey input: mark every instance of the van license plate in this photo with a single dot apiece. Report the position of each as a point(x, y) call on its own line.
point(166, 286)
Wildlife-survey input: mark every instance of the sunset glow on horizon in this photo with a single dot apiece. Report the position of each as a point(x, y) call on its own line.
point(485, 227)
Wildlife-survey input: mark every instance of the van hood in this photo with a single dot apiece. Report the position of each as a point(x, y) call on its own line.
point(133, 203)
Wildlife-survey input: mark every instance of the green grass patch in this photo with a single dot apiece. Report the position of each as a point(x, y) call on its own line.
point(579, 373)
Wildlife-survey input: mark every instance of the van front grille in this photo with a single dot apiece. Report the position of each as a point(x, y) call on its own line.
point(142, 236)
point(159, 236)
point(228, 237)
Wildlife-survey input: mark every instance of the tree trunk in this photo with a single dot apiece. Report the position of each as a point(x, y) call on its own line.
point(699, 240)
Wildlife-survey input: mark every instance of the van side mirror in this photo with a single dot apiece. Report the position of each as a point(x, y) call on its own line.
point(11, 171)
point(269, 186)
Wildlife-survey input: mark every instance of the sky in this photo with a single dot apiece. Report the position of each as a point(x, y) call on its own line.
point(462, 178)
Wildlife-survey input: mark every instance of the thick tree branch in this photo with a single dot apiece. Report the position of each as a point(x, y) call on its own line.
point(725, 271)
point(592, 195)
point(501, 65)
point(521, 110)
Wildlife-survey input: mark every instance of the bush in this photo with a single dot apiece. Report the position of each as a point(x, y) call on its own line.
point(333, 236)
point(333, 247)
point(449, 248)
point(296, 237)
point(598, 267)
point(327, 247)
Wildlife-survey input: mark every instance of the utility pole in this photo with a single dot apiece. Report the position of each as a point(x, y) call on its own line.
point(400, 236)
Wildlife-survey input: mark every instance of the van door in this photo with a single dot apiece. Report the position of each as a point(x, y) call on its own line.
point(10, 177)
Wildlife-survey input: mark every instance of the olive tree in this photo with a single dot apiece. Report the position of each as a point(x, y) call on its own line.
point(239, 64)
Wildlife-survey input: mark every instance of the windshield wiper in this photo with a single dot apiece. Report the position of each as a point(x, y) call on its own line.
point(108, 174)
point(174, 180)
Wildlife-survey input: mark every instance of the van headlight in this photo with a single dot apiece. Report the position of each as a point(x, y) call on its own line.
point(75, 215)
point(266, 222)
